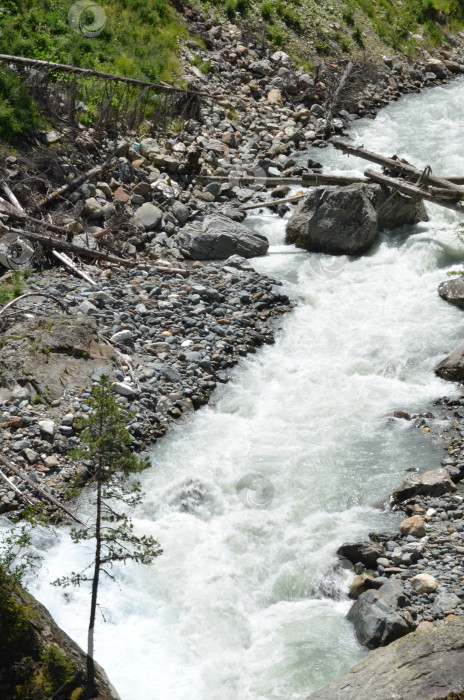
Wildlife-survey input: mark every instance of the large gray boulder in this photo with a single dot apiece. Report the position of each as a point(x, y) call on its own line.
point(346, 220)
point(425, 665)
point(219, 238)
point(375, 616)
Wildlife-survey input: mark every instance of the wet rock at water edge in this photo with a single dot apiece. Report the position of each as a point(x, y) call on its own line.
point(346, 220)
point(452, 367)
point(375, 616)
point(432, 483)
point(453, 291)
point(365, 552)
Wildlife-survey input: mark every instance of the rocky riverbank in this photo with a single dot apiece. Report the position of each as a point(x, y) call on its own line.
point(165, 341)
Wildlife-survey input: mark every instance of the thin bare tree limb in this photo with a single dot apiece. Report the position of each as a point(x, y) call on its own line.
point(40, 490)
point(76, 181)
point(15, 488)
point(69, 263)
point(35, 294)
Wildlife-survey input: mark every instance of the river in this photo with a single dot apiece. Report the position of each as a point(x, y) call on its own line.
point(243, 605)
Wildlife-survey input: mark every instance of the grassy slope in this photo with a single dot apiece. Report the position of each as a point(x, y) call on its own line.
point(141, 37)
point(337, 27)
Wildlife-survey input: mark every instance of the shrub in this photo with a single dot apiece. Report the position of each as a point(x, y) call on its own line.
point(18, 113)
point(267, 10)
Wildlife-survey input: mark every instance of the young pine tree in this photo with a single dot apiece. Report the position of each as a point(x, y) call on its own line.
point(106, 446)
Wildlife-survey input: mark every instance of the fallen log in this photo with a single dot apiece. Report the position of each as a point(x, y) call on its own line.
point(36, 63)
point(40, 490)
point(273, 203)
point(394, 165)
point(54, 243)
point(307, 179)
point(413, 191)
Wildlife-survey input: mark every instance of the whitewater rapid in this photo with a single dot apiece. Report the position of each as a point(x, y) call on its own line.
point(243, 605)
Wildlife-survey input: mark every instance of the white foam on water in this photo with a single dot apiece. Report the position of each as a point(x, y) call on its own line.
point(243, 604)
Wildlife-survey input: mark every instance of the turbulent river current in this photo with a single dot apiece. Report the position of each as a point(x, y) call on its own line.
point(243, 604)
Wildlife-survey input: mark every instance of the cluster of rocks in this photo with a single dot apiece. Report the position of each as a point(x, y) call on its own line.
point(165, 341)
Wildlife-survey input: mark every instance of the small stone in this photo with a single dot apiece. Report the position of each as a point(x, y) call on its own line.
point(86, 307)
point(123, 389)
point(424, 583)
point(413, 526)
point(122, 337)
point(149, 216)
point(359, 584)
point(47, 427)
point(51, 462)
point(31, 455)
point(92, 209)
point(424, 626)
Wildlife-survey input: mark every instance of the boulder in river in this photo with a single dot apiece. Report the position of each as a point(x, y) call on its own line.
point(428, 664)
point(452, 367)
point(346, 220)
point(221, 237)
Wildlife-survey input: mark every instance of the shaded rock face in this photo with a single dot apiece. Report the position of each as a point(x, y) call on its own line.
point(346, 220)
point(431, 483)
point(38, 659)
point(375, 616)
point(220, 237)
point(452, 367)
point(424, 665)
point(453, 291)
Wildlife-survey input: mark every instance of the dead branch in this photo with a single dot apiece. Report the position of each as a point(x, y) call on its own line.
point(392, 165)
point(69, 263)
point(35, 294)
point(15, 488)
point(39, 490)
point(75, 182)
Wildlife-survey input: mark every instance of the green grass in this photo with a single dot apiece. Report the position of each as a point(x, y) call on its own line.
point(138, 40)
point(18, 113)
point(13, 287)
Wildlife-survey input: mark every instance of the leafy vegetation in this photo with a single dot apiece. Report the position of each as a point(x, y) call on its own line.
point(13, 287)
point(138, 39)
point(18, 113)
